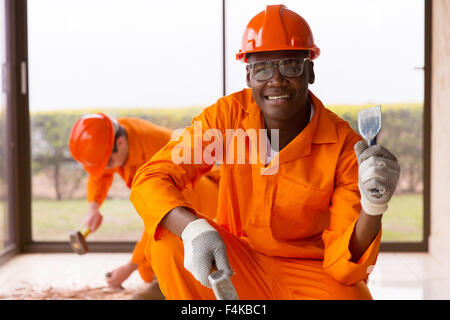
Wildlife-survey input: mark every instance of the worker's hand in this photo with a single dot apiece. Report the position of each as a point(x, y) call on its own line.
point(116, 277)
point(203, 246)
point(378, 176)
point(93, 218)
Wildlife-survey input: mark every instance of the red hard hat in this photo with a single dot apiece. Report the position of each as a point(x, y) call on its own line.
point(277, 28)
point(91, 142)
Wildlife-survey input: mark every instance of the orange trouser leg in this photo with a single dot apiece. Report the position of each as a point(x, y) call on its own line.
point(146, 272)
point(303, 279)
point(178, 283)
point(256, 276)
point(138, 257)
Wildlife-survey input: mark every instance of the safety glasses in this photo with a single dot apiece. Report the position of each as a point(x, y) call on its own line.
point(289, 68)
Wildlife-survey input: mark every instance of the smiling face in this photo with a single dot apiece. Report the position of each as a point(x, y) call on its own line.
point(281, 98)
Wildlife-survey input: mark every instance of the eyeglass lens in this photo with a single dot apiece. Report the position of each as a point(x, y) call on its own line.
point(291, 68)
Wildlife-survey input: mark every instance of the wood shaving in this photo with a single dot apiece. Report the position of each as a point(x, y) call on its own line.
point(51, 293)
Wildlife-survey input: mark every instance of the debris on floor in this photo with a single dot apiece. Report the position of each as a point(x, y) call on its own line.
point(51, 293)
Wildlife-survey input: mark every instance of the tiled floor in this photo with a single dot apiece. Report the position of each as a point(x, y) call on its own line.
point(28, 274)
point(396, 275)
point(409, 276)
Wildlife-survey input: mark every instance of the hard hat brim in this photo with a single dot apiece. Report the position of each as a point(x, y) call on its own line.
point(314, 52)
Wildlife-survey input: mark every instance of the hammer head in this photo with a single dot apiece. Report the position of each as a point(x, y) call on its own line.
point(78, 242)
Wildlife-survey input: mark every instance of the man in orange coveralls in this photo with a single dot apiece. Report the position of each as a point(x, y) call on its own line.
point(106, 146)
point(301, 221)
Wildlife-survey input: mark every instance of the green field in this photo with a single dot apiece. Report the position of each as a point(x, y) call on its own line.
point(54, 220)
point(404, 219)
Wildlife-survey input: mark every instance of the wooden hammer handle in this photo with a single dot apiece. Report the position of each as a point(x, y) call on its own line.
point(86, 233)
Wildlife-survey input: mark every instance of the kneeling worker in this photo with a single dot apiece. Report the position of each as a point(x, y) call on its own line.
point(298, 221)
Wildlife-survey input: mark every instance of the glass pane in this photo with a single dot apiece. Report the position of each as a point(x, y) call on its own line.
point(4, 222)
point(372, 52)
point(158, 60)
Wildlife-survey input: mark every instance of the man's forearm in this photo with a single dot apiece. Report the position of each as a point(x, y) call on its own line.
point(93, 205)
point(177, 219)
point(132, 266)
point(366, 229)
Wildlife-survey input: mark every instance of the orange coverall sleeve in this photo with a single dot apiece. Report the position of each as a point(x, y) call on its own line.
point(157, 186)
point(344, 212)
point(98, 186)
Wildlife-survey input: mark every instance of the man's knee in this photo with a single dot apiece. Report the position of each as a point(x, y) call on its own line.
point(358, 291)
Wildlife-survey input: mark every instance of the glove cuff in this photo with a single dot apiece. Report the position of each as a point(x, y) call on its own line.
point(371, 208)
point(194, 228)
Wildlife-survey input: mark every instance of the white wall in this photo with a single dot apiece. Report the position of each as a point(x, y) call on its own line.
point(440, 132)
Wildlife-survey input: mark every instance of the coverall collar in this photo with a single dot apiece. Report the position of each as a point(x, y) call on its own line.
point(133, 158)
point(321, 129)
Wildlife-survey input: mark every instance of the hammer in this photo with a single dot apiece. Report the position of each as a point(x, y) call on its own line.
point(78, 241)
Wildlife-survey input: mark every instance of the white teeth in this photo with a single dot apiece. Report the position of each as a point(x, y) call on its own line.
point(278, 97)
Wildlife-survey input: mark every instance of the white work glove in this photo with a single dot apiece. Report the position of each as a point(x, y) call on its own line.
point(203, 246)
point(378, 176)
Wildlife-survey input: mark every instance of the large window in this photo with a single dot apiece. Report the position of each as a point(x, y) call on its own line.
point(372, 53)
point(159, 60)
point(162, 61)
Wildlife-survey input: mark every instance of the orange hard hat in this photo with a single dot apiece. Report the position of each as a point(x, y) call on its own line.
point(277, 28)
point(91, 142)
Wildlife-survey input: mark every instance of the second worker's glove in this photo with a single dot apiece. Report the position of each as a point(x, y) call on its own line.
point(203, 245)
point(378, 175)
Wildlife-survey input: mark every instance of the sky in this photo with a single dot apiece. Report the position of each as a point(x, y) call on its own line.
point(165, 54)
